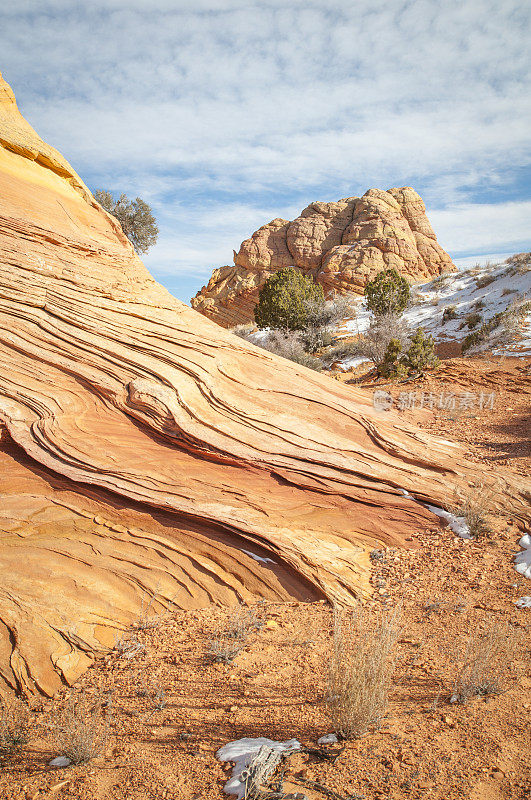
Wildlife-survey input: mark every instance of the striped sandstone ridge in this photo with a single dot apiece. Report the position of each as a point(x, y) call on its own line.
point(146, 450)
point(342, 245)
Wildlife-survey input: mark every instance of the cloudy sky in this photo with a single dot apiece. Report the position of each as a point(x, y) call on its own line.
point(224, 114)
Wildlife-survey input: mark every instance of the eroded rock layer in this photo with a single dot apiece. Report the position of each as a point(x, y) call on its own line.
point(342, 245)
point(145, 450)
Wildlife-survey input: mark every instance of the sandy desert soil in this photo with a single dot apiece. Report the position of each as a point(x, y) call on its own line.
point(426, 748)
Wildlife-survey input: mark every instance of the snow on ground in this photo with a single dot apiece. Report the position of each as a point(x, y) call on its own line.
point(242, 752)
point(456, 524)
point(461, 290)
point(522, 561)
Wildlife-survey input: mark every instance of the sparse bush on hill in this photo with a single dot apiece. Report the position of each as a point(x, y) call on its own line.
point(135, 217)
point(387, 293)
point(361, 666)
point(322, 318)
point(450, 312)
point(518, 264)
point(473, 320)
point(484, 280)
point(284, 300)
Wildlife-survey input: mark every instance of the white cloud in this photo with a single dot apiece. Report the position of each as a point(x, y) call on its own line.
point(226, 113)
point(482, 227)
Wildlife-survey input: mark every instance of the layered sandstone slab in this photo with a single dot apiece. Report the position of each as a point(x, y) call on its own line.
point(146, 450)
point(342, 245)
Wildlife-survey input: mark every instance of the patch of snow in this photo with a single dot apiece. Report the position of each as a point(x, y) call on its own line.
point(456, 524)
point(352, 361)
point(259, 558)
point(330, 738)
point(242, 751)
point(523, 602)
point(522, 561)
point(60, 761)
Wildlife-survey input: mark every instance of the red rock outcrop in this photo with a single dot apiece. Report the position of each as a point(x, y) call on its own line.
point(145, 450)
point(342, 245)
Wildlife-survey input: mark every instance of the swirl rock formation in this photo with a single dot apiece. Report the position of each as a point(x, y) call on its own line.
point(342, 245)
point(146, 451)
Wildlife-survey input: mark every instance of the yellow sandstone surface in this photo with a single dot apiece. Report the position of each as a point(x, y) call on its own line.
point(145, 450)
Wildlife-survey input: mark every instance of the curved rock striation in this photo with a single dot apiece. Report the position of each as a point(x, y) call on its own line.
point(342, 245)
point(146, 451)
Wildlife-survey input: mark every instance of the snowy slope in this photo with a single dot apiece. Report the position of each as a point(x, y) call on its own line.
point(464, 290)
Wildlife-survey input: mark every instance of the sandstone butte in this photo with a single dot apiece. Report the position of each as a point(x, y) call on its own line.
point(147, 451)
point(341, 245)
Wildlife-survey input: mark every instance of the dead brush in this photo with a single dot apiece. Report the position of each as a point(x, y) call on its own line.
point(473, 506)
point(229, 642)
point(78, 732)
point(14, 725)
point(482, 663)
point(361, 665)
point(223, 650)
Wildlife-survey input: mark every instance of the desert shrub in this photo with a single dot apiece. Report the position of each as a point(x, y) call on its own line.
point(244, 330)
point(78, 732)
point(518, 264)
point(484, 280)
point(284, 299)
point(135, 217)
point(440, 281)
point(340, 351)
point(14, 725)
point(290, 345)
point(392, 365)
point(473, 320)
point(230, 641)
point(387, 293)
point(450, 312)
point(373, 344)
point(482, 663)
point(479, 336)
point(509, 321)
point(322, 316)
point(361, 666)
point(420, 355)
point(473, 505)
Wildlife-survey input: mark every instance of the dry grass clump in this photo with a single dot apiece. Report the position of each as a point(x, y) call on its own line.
point(361, 665)
point(14, 725)
point(518, 264)
point(474, 506)
point(482, 663)
point(383, 329)
point(231, 641)
point(78, 732)
point(484, 280)
point(244, 330)
point(290, 344)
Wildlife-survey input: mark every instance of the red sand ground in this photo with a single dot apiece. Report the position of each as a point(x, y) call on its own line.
point(426, 748)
